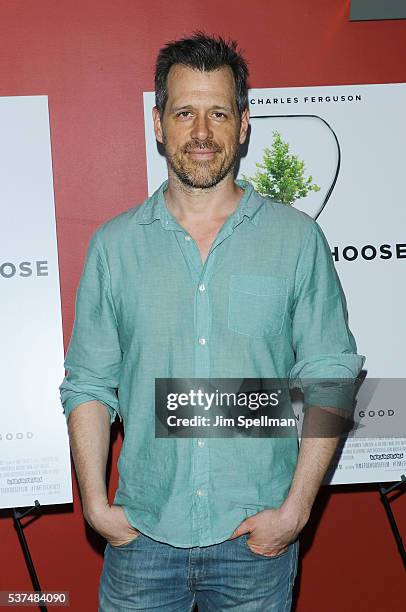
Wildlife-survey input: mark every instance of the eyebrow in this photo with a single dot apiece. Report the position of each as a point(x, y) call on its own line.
point(175, 109)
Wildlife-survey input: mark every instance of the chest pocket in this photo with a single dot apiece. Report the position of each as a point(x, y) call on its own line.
point(257, 305)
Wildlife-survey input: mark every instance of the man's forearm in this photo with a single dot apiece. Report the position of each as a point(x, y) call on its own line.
point(89, 433)
point(315, 455)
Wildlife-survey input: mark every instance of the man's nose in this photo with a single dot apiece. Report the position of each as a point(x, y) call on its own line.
point(201, 128)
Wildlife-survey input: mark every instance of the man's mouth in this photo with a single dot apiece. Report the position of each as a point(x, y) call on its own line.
point(201, 150)
point(201, 153)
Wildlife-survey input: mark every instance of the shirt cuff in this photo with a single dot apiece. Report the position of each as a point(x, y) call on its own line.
point(328, 380)
point(80, 398)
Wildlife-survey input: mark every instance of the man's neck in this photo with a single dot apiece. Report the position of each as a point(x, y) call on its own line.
point(199, 206)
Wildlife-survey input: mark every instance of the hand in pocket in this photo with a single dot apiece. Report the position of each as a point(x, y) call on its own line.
point(112, 524)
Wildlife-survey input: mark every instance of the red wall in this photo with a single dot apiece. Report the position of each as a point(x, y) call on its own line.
point(94, 58)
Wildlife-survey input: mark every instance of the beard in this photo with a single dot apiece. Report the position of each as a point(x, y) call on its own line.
point(201, 174)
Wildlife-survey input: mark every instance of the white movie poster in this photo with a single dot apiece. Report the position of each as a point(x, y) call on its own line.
point(34, 448)
point(344, 146)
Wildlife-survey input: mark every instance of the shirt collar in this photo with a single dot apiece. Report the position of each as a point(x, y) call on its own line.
point(155, 207)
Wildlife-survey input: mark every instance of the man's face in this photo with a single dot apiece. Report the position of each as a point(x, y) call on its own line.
point(201, 127)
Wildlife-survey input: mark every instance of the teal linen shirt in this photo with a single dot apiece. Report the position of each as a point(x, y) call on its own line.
point(266, 303)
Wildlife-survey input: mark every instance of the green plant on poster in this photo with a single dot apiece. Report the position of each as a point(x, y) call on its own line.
point(283, 174)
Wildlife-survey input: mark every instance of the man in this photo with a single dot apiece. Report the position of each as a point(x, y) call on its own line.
point(205, 279)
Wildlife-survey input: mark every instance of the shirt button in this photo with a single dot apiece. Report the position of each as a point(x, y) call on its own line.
point(202, 287)
point(187, 238)
point(202, 340)
point(199, 492)
point(200, 443)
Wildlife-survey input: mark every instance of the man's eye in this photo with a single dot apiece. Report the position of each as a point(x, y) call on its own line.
point(219, 115)
point(183, 114)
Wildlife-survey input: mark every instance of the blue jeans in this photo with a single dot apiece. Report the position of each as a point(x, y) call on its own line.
point(149, 575)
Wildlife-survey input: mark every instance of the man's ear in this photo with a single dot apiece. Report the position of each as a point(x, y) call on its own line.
point(245, 121)
point(156, 117)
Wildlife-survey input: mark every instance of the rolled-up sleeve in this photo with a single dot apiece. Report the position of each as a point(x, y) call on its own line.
point(324, 346)
point(94, 356)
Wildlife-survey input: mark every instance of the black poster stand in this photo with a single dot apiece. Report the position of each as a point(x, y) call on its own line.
point(384, 492)
point(17, 516)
